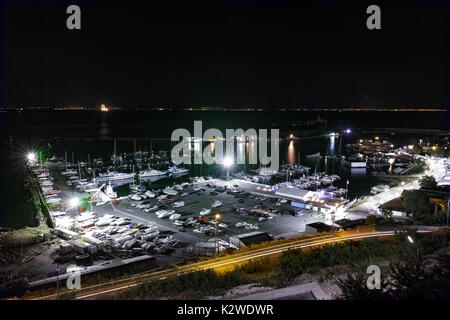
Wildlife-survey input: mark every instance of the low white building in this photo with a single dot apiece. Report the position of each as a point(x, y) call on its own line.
point(294, 193)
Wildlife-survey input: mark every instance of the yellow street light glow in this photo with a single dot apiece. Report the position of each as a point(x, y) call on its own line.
point(217, 216)
point(336, 204)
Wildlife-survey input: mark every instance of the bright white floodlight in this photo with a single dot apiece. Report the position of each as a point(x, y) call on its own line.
point(410, 239)
point(31, 156)
point(74, 202)
point(227, 162)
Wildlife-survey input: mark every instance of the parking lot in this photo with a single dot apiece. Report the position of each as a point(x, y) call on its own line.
point(249, 208)
point(279, 223)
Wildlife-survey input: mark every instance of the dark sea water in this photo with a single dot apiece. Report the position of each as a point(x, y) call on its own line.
point(83, 133)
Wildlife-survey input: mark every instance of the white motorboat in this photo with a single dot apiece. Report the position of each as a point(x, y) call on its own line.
point(178, 171)
point(161, 197)
point(216, 204)
point(204, 212)
point(174, 216)
point(53, 200)
point(115, 176)
point(138, 188)
point(151, 209)
point(178, 204)
point(86, 216)
point(164, 213)
point(110, 192)
point(57, 213)
point(151, 173)
point(178, 187)
point(170, 191)
point(136, 197)
point(149, 194)
point(104, 222)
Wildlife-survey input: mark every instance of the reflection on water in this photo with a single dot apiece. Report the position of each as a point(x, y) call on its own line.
point(104, 130)
point(331, 149)
point(291, 153)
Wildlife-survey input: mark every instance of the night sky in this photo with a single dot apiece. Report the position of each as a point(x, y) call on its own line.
point(234, 53)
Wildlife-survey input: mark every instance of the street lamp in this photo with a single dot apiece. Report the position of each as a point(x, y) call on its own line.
point(228, 162)
point(31, 157)
point(216, 219)
point(74, 202)
point(448, 204)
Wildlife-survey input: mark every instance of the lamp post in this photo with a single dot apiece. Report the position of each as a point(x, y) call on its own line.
point(346, 190)
point(31, 157)
point(228, 162)
point(216, 219)
point(74, 202)
point(448, 203)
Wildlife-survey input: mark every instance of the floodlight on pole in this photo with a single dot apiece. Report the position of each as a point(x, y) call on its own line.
point(227, 163)
point(31, 156)
point(74, 202)
point(216, 218)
